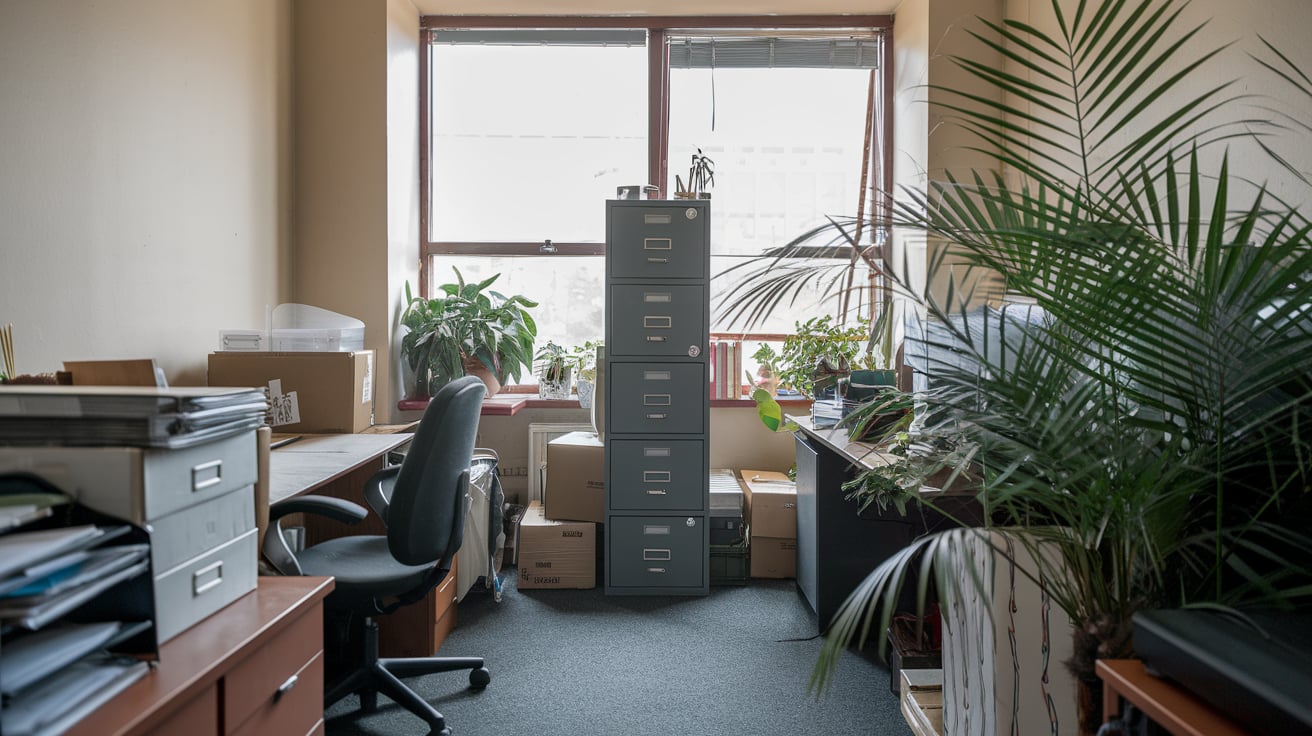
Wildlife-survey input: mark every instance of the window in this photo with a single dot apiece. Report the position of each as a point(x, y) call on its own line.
point(529, 129)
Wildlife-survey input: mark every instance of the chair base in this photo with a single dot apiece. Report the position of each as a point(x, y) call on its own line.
point(376, 675)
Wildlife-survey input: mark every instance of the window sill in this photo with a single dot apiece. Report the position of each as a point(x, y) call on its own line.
point(510, 404)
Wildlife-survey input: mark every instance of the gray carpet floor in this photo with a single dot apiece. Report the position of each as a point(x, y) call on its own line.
point(579, 662)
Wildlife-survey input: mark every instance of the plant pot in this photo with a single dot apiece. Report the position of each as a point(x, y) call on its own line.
point(475, 367)
point(555, 384)
point(585, 389)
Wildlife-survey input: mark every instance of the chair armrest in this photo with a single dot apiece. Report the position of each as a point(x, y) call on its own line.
point(337, 509)
point(275, 548)
point(378, 490)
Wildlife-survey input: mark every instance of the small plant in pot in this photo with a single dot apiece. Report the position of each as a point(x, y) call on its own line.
point(467, 329)
point(555, 371)
point(586, 361)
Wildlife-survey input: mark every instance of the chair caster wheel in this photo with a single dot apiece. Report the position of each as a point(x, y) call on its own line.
point(479, 678)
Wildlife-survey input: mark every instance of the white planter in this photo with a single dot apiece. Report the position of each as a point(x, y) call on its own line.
point(585, 389)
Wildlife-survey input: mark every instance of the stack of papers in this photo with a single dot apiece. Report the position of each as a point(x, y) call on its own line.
point(58, 671)
point(127, 415)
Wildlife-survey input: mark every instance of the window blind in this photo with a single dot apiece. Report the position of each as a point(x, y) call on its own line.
point(756, 52)
point(541, 37)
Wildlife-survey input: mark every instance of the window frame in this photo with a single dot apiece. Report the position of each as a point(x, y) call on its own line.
point(658, 100)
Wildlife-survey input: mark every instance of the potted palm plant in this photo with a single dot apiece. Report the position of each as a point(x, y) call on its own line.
point(469, 329)
point(1141, 440)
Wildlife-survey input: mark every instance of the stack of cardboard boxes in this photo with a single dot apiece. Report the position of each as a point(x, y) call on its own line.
point(770, 506)
point(558, 538)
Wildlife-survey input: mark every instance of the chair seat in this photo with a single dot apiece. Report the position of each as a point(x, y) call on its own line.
point(363, 566)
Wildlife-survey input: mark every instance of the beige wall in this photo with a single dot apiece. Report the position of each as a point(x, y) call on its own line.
point(144, 177)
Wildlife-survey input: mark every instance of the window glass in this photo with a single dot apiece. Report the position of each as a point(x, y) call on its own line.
point(527, 141)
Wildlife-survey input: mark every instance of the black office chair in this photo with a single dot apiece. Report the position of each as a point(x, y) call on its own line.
point(423, 502)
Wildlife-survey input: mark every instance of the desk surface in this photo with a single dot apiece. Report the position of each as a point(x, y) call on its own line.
point(1171, 707)
point(863, 454)
point(318, 459)
point(194, 659)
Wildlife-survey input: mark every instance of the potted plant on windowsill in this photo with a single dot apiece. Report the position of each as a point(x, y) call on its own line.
point(468, 330)
point(586, 362)
point(555, 371)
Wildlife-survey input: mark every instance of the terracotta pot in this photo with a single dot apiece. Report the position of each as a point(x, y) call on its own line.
point(475, 367)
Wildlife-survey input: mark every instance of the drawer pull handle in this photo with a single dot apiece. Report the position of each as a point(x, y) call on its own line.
point(656, 399)
point(206, 474)
point(653, 322)
point(655, 338)
point(657, 416)
point(656, 555)
point(658, 570)
point(199, 588)
point(657, 492)
point(657, 244)
point(658, 260)
point(655, 476)
point(285, 688)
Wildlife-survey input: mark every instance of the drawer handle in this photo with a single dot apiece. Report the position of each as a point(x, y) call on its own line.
point(657, 244)
point(656, 555)
point(658, 570)
point(655, 476)
point(655, 338)
point(206, 474)
point(657, 492)
point(658, 260)
point(285, 688)
point(656, 399)
point(657, 416)
point(654, 322)
point(215, 567)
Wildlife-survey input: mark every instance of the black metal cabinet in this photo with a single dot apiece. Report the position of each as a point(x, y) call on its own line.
point(656, 410)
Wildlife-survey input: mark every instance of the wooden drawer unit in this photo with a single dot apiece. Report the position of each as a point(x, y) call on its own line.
point(196, 717)
point(661, 474)
point(267, 691)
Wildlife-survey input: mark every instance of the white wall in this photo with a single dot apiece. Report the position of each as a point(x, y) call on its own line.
point(144, 186)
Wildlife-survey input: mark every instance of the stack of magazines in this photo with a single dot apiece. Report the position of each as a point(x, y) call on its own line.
point(127, 415)
point(54, 671)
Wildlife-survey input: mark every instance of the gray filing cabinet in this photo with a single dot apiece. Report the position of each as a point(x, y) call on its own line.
point(657, 413)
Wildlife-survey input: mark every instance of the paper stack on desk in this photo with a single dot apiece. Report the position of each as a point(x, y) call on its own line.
point(127, 415)
point(62, 670)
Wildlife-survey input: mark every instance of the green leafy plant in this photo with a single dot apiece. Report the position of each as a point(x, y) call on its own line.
point(468, 321)
point(554, 363)
point(820, 339)
point(585, 359)
point(1146, 438)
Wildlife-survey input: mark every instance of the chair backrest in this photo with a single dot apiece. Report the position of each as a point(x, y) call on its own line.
point(425, 521)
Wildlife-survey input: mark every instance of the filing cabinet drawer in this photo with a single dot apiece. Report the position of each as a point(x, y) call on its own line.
point(197, 529)
point(658, 475)
point(202, 585)
point(652, 241)
point(141, 484)
point(657, 398)
point(657, 320)
point(657, 551)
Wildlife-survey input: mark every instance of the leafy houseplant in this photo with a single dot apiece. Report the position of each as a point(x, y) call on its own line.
point(555, 371)
point(820, 342)
point(701, 177)
point(585, 357)
point(468, 329)
point(1144, 439)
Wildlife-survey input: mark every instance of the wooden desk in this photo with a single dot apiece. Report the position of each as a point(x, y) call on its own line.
point(339, 465)
point(222, 675)
point(316, 460)
point(1171, 707)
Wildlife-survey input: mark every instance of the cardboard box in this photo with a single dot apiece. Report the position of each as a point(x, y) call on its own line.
point(576, 478)
point(769, 504)
point(308, 392)
point(556, 554)
point(772, 557)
